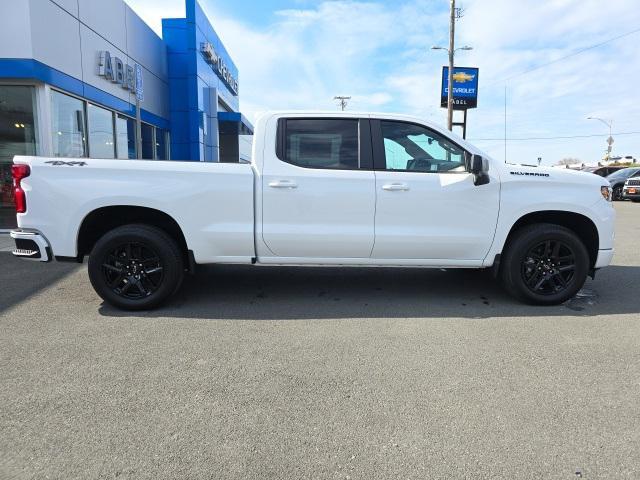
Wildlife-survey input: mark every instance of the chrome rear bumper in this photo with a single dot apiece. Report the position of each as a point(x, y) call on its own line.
point(31, 245)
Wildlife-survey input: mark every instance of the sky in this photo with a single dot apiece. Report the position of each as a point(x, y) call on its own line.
point(534, 56)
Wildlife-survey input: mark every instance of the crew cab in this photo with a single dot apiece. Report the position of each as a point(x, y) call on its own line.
point(329, 189)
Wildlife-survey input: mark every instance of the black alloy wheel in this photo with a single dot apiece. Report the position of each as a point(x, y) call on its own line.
point(544, 264)
point(136, 267)
point(133, 270)
point(549, 267)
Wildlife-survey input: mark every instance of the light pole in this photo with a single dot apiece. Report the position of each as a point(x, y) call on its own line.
point(610, 139)
point(451, 51)
point(342, 101)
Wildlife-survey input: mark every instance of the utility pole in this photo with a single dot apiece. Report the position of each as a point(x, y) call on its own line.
point(505, 123)
point(609, 124)
point(342, 101)
point(452, 34)
point(455, 14)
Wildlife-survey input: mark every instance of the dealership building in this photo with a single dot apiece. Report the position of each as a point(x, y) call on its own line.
point(88, 78)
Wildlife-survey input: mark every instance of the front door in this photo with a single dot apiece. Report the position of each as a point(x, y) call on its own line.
point(319, 190)
point(427, 204)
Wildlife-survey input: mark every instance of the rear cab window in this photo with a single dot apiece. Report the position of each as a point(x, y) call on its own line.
point(324, 143)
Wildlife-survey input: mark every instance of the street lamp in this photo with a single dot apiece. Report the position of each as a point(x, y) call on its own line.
point(455, 50)
point(451, 51)
point(608, 124)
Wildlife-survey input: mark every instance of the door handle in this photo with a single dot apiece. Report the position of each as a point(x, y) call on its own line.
point(283, 184)
point(395, 187)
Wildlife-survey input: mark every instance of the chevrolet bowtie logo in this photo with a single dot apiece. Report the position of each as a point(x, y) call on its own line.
point(462, 77)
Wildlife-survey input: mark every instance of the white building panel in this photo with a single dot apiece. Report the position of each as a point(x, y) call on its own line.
point(156, 94)
point(70, 6)
point(144, 46)
point(61, 50)
point(15, 30)
point(107, 18)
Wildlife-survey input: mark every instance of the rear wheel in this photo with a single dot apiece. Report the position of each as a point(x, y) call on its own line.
point(544, 264)
point(136, 267)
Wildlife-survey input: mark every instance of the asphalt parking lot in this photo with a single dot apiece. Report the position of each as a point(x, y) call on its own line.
point(321, 373)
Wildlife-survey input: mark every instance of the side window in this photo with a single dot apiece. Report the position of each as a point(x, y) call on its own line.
point(410, 147)
point(321, 143)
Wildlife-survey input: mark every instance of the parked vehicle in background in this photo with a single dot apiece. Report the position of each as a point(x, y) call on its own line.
point(329, 189)
point(631, 189)
point(603, 171)
point(617, 180)
point(623, 159)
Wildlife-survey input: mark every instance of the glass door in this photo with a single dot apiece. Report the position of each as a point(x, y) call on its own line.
point(17, 137)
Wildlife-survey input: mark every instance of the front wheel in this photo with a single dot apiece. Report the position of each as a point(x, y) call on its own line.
point(544, 264)
point(616, 195)
point(136, 267)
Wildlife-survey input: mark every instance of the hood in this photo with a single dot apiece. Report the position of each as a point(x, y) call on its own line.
point(556, 174)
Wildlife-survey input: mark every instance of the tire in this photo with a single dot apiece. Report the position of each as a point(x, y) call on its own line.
point(635, 200)
point(617, 193)
point(544, 264)
point(136, 267)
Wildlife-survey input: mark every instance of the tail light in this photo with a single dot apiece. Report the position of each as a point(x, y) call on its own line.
point(19, 172)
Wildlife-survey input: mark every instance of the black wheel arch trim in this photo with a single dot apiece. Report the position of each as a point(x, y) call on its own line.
point(580, 224)
point(114, 216)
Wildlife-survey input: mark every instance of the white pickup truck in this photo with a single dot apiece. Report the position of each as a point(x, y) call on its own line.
point(331, 189)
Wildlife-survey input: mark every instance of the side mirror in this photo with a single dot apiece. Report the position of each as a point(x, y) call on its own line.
point(479, 167)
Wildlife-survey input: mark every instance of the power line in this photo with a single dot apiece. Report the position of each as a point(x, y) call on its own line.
point(552, 138)
point(577, 52)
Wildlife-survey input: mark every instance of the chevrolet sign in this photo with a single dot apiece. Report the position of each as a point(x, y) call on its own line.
point(218, 65)
point(465, 88)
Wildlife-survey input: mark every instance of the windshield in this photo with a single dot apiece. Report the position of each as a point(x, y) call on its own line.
point(624, 173)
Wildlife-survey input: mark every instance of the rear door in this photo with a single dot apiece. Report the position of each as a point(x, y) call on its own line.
point(428, 207)
point(318, 189)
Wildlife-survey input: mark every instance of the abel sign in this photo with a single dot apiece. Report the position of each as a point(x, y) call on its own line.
point(116, 71)
point(465, 88)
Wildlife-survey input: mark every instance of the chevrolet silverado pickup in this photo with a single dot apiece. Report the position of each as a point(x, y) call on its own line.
point(329, 189)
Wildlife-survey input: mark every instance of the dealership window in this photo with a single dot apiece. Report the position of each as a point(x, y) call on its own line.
point(322, 143)
point(147, 141)
point(110, 134)
point(161, 144)
point(67, 126)
point(17, 137)
point(126, 137)
point(100, 127)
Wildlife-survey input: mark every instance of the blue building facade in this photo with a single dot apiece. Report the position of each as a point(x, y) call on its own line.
point(70, 73)
point(203, 82)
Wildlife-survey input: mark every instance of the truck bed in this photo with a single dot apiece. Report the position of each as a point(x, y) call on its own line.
point(212, 202)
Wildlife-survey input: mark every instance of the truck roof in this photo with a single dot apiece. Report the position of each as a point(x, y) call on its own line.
point(378, 115)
